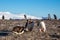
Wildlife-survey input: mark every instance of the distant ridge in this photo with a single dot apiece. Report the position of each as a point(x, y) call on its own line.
point(9, 15)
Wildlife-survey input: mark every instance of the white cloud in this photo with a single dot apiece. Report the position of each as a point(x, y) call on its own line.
point(9, 15)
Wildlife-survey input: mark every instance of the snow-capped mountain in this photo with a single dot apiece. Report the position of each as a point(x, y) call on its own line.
point(9, 15)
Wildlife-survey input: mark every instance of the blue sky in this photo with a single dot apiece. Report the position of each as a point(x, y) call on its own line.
point(37, 8)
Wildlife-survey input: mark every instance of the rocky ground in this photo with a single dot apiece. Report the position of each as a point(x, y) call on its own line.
point(52, 33)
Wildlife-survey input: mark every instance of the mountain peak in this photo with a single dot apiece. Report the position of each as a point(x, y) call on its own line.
point(9, 15)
